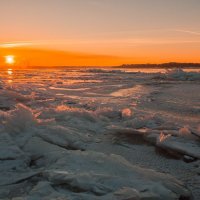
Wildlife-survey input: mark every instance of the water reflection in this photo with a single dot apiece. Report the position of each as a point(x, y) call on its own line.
point(10, 72)
point(10, 75)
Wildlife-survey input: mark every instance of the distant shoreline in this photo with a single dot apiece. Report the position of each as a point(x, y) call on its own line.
point(169, 65)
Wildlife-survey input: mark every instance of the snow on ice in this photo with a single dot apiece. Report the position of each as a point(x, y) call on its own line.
point(99, 134)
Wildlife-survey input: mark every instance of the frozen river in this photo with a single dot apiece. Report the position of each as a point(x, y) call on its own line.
point(149, 120)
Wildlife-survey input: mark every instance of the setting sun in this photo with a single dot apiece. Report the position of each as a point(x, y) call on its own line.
point(10, 59)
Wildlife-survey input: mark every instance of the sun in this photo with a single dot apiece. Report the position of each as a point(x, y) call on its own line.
point(10, 59)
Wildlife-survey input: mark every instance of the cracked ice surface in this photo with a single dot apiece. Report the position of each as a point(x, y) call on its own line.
point(99, 134)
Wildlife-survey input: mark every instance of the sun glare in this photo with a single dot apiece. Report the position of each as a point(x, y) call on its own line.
point(10, 59)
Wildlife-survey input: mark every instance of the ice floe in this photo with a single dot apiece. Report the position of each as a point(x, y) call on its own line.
point(75, 134)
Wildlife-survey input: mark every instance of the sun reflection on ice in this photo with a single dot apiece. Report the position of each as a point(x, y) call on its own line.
point(10, 71)
point(10, 75)
point(10, 81)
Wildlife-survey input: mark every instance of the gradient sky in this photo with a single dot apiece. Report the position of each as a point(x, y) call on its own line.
point(100, 32)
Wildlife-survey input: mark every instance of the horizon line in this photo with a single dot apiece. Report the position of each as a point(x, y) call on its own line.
point(121, 65)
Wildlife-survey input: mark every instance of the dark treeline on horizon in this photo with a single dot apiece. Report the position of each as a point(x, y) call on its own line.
point(163, 65)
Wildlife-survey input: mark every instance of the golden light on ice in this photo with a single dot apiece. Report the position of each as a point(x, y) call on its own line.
point(10, 59)
point(10, 72)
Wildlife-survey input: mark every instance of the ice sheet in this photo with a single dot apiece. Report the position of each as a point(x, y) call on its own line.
point(46, 113)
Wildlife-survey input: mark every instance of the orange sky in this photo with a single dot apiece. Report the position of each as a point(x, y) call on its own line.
point(46, 57)
point(99, 32)
point(29, 56)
